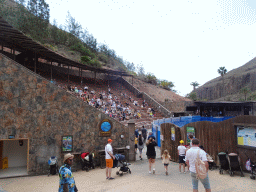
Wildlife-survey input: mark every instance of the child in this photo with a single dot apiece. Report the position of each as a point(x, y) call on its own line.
point(166, 157)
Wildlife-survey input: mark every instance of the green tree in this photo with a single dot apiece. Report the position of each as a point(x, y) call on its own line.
point(194, 84)
point(91, 42)
point(245, 91)
point(222, 71)
point(167, 85)
point(192, 96)
point(73, 26)
point(151, 78)
point(39, 18)
point(140, 70)
point(130, 66)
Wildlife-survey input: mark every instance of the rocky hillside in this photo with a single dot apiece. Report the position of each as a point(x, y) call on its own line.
point(229, 87)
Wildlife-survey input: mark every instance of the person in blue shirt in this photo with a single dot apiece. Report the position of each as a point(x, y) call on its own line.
point(136, 133)
point(151, 136)
point(67, 182)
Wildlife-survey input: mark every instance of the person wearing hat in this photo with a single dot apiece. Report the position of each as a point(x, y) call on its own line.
point(181, 153)
point(67, 182)
point(109, 159)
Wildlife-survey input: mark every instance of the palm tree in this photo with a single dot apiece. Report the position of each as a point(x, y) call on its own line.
point(194, 84)
point(245, 91)
point(222, 71)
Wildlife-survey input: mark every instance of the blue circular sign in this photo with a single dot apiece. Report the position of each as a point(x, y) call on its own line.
point(105, 126)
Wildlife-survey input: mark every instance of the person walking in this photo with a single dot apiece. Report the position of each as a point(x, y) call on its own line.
point(144, 134)
point(140, 145)
point(151, 136)
point(67, 181)
point(151, 154)
point(181, 153)
point(191, 137)
point(135, 144)
point(166, 158)
point(191, 156)
point(109, 159)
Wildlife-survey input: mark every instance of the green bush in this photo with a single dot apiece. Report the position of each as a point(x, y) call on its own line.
point(95, 63)
point(103, 57)
point(85, 60)
point(83, 50)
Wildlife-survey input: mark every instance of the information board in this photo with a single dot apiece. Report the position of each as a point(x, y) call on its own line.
point(246, 136)
point(190, 131)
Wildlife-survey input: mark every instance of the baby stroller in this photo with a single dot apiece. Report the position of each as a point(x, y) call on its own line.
point(87, 161)
point(234, 164)
point(224, 163)
point(251, 166)
point(211, 162)
point(121, 162)
point(53, 165)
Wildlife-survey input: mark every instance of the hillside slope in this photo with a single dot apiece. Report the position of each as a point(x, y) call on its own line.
point(159, 94)
point(229, 87)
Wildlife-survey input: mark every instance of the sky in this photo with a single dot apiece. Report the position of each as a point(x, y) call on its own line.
point(182, 41)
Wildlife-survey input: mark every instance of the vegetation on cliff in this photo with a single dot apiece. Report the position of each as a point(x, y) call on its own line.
point(32, 18)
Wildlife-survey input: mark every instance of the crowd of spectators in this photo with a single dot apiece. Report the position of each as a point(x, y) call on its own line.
point(122, 107)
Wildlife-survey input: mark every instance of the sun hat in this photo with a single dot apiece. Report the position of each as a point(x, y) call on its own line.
point(109, 140)
point(181, 141)
point(67, 156)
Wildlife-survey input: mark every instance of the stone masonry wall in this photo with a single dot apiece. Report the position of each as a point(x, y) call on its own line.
point(32, 107)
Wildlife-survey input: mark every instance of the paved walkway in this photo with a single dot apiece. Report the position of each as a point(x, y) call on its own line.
point(138, 180)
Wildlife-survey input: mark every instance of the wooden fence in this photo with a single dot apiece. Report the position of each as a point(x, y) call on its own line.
point(215, 137)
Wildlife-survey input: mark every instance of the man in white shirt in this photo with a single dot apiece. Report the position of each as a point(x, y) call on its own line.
point(191, 156)
point(109, 159)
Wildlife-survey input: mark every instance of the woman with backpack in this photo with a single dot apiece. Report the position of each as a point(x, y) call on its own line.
point(140, 145)
point(151, 153)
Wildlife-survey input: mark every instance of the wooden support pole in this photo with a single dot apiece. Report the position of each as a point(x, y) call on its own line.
point(95, 78)
point(108, 79)
point(51, 70)
point(80, 69)
point(68, 74)
point(35, 63)
point(14, 56)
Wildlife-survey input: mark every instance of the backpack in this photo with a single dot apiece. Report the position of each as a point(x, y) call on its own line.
point(201, 170)
point(140, 142)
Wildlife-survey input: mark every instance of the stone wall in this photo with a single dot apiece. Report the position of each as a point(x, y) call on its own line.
point(32, 107)
point(177, 106)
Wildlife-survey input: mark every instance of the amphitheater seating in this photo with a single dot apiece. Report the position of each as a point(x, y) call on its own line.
point(120, 95)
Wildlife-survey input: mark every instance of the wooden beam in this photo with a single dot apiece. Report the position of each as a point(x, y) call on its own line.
point(68, 74)
point(51, 70)
point(35, 63)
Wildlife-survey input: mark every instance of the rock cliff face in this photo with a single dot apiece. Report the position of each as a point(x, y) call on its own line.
point(231, 84)
point(34, 109)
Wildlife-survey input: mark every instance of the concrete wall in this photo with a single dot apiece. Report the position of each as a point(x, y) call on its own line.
point(32, 107)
